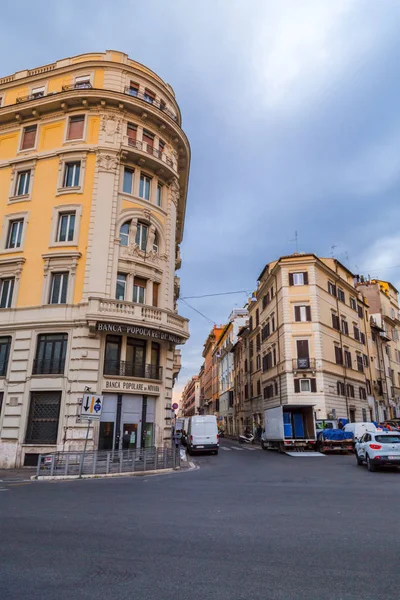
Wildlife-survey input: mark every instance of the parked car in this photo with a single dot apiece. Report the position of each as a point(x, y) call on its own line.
point(358, 429)
point(378, 449)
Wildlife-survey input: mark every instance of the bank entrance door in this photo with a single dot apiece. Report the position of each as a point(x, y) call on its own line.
point(129, 436)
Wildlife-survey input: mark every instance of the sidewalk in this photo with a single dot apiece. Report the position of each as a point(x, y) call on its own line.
point(16, 475)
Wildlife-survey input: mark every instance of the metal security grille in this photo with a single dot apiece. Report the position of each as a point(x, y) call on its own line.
point(44, 414)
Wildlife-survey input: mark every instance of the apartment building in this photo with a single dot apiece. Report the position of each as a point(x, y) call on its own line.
point(94, 169)
point(313, 324)
point(207, 382)
point(240, 375)
point(384, 347)
point(223, 355)
point(190, 401)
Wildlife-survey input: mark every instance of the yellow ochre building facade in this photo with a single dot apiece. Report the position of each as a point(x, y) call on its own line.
point(94, 170)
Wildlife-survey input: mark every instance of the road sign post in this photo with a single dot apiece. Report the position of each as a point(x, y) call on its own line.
point(91, 409)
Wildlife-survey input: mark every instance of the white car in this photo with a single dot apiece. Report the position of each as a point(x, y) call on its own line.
point(378, 449)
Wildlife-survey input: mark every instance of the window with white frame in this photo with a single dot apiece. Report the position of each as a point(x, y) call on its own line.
point(22, 183)
point(141, 236)
point(66, 226)
point(38, 92)
point(14, 236)
point(82, 82)
point(305, 385)
point(139, 290)
point(302, 313)
point(127, 184)
point(6, 292)
point(72, 173)
point(121, 286)
point(124, 233)
point(145, 187)
point(331, 288)
point(298, 278)
point(59, 288)
point(159, 195)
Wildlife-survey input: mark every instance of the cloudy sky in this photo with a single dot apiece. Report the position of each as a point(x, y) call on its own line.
point(292, 111)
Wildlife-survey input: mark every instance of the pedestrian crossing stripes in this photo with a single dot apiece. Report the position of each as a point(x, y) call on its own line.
point(226, 449)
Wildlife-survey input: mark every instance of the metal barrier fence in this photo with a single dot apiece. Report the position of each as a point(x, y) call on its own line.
point(104, 462)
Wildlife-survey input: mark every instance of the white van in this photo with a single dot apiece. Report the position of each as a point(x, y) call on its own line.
point(202, 434)
point(358, 429)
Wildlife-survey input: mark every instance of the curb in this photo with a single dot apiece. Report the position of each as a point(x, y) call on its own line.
point(102, 476)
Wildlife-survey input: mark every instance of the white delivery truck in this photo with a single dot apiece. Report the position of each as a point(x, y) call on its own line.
point(289, 427)
point(202, 434)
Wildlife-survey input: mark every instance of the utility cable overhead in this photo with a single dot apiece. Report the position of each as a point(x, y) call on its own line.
point(219, 294)
point(195, 309)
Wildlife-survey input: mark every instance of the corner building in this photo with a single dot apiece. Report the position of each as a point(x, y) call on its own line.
point(94, 172)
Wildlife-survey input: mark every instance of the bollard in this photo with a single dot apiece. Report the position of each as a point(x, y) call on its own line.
point(108, 463)
point(66, 464)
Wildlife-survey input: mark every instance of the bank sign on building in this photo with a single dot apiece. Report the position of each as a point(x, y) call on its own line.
point(94, 171)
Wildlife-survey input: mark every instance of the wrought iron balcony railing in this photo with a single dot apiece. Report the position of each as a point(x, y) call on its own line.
point(145, 147)
point(146, 98)
point(303, 363)
point(124, 368)
point(48, 366)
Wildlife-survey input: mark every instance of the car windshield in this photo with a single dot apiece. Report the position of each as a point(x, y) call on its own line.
point(387, 439)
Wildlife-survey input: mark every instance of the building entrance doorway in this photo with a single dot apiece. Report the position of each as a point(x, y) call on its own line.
point(129, 436)
point(106, 436)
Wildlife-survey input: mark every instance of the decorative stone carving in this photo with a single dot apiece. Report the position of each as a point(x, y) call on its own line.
point(111, 126)
point(133, 230)
point(151, 239)
point(106, 162)
point(174, 191)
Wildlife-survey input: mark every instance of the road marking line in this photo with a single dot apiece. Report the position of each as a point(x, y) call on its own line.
point(239, 449)
point(226, 449)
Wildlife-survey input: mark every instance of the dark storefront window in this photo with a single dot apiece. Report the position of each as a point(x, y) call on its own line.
point(112, 356)
point(44, 414)
point(50, 354)
point(5, 345)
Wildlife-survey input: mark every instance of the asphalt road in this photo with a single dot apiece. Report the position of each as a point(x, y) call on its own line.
point(246, 525)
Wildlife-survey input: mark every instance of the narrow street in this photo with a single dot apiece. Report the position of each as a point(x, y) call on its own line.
point(246, 524)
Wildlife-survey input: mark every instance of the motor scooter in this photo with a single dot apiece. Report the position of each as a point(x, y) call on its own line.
point(246, 438)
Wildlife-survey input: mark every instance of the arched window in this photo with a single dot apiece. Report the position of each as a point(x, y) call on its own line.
point(124, 234)
point(141, 236)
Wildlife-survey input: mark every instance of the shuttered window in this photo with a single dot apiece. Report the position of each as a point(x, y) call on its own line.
point(148, 138)
point(331, 288)
point(298, 278)
point(338, 355)
point(350, 390)
point(360, 364)
point(305, 385)
point(347, 359)
point(335, 322)
point(29, 137)
point(131, 131)
point(360, 311)
point(341, 296)
point(75, 127)
point(340, 388)
point(139, 290)
point(356, 333)
point(363, 395)
point(345, 327)
point(156, 287)
point(302, 313)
